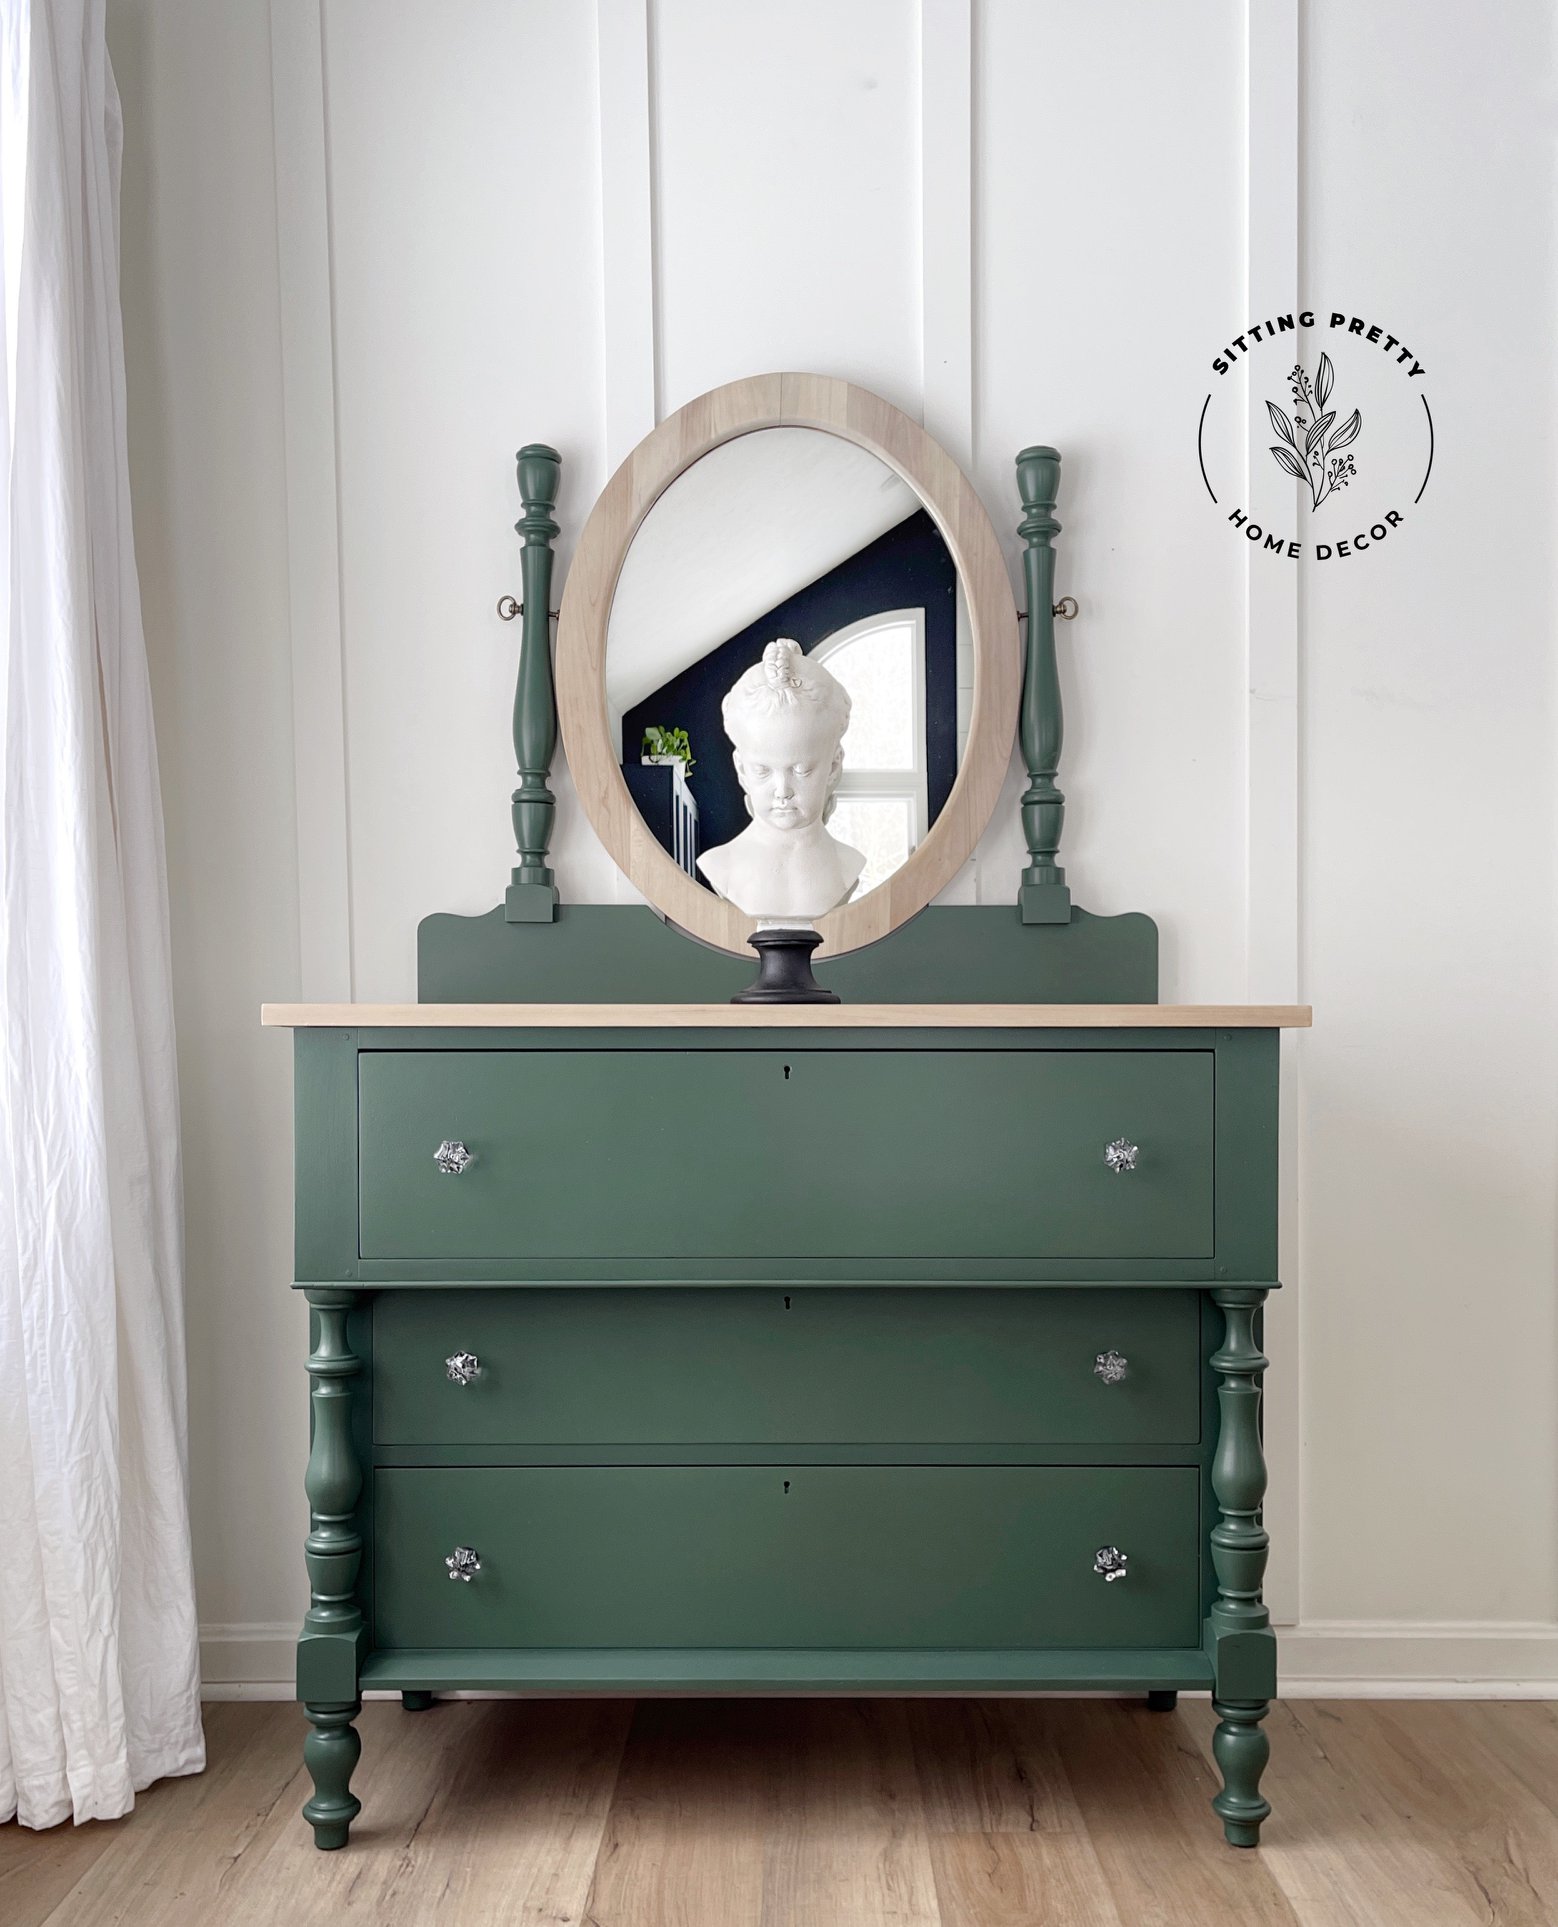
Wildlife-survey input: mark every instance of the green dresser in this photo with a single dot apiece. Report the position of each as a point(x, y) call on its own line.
point(828, 1352)
point(664, 1340)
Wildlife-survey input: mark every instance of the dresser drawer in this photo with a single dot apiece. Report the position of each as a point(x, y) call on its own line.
point(666, 1154)
point(827, 1556)
point(757, 1366)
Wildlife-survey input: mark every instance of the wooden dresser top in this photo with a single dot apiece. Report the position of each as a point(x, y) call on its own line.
point(787, 1016)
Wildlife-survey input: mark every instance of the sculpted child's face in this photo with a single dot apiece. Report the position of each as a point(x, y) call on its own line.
point(787, 765)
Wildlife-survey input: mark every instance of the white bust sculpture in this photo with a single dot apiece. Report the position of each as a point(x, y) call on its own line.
point(786, 718)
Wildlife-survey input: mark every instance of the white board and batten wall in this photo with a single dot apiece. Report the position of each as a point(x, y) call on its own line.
point(370, 248)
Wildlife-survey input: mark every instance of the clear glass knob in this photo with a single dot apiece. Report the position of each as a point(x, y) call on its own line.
point(1111, 1367)
point(463, 1563)
point(451, 1157)
point(1109, 1563)
point(463, 1367)
point(1121, 1156)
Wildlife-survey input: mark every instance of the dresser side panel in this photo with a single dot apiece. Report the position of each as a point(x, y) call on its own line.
point(1246, 1155)
point(325, 1150)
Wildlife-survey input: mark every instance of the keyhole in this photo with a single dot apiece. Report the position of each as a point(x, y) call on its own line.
point(786, 1073)
point(787, 1485)
point(787, 1301)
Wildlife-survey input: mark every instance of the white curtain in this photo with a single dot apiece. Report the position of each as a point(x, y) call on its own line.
point(98, 1657)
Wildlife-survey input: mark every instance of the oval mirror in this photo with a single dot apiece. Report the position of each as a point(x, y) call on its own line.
point(804, 522)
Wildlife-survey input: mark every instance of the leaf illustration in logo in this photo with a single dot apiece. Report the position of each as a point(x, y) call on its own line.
point(1281, 424)
point(1311, 455)
point(1291, 462)
point(1348, 432)
point(1324, 377)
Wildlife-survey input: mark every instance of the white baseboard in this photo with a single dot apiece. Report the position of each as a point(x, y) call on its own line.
point(1419, 1659)
point(1323, 1659)
point(248, 1662)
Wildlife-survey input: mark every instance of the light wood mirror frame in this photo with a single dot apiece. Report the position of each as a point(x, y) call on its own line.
point(740, 408)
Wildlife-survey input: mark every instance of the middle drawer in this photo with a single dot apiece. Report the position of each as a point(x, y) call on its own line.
point(757, 1366)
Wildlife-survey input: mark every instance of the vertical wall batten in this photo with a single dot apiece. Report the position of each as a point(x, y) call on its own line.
point(627, 227)
point(1271, 710)
point(946, 223)
point(947, 260)
point(313, 526)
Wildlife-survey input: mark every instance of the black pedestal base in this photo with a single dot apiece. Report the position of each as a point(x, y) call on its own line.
point(784, 969)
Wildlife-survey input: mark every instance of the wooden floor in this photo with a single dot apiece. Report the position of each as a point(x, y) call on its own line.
point(830, 1813)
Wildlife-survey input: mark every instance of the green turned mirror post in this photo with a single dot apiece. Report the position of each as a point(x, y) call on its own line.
point(1044, 896)
point(532, 894)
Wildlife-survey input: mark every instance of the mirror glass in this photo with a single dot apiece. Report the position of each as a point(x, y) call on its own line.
point(790, 533)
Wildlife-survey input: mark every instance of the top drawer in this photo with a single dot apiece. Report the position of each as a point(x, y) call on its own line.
point(745, 1153)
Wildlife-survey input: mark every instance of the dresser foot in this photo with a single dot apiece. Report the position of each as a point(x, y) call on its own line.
point(413, 1701)
point(1163, 1701)
point(330, 1753)
point(1241, 1750)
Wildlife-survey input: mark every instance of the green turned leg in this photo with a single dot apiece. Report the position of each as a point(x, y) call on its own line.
point(1162, 1701)
point(330, 1752)
point(1241, 1750)
point(1238, 1625)
point(332, 1627)
point(414, 1701)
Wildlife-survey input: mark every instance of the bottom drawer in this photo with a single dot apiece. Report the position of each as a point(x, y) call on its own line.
point(830, 1556)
